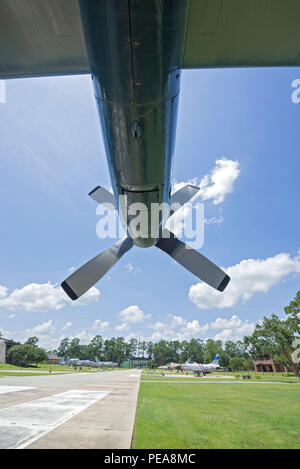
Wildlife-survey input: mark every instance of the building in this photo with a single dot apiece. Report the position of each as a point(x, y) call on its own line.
point(135, 363)
point(267, 364)
point(5, 345)
point(53, 359)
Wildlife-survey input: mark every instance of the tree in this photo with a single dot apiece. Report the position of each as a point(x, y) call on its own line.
point(26, 354)
point(150, 349)
point(74, 348)
point(133, 347)
point(248, 364)
point(96, 348)
point(274, 338)
point(236, 363)
point(32, 341)
point(212, 348)
point(293, 308)
point(63, 347)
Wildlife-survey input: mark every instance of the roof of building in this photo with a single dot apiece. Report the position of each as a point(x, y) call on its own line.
point(9, 341)
point(53, 356)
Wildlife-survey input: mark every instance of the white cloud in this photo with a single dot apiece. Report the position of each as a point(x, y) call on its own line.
point(84, 337)
point(232, 329)
point(122, 327)
point(42, 297)
point(248, 277)
point(3, 291)
point(131, 269)
point(100, 325)
point(216, 185)
point(214, 220)
point(133, 314)
point(91, 296)
point(177, 329)
point(213, 187)
point(192, 329)
point(178, 321)
point(41, 329)
point(11, 316)
point(159, 325)
point(66, 326)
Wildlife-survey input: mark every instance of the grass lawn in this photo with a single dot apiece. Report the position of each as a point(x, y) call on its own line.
point(226, 376)
point(217, 416)
point(46, 367)
point(15, 373)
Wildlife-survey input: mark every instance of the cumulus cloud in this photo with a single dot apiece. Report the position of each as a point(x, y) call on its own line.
point(248, 277)
point(66, 326)
point(232, 329)
point(43, 329)
point(133, 314)
point(122, 327)
point(216, 185)
point(100, 325)
point(84, 337)
point(177, 328)
point(213, 187)
point(3, 291)
point(42, 297)
point(91, 296)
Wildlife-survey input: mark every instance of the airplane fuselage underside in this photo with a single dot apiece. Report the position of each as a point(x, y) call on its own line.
point(135, 51)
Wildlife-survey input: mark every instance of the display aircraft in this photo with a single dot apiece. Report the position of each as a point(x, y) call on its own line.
point(135, 51)
point(199, 368)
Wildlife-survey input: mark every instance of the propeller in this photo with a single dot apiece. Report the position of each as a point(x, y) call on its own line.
point(80, 281)
point(193, 261)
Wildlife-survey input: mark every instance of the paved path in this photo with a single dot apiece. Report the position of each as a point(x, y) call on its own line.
point(86, 410)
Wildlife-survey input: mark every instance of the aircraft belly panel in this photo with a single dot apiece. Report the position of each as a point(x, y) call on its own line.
point(135, 52)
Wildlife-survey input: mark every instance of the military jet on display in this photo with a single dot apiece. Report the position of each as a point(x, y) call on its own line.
point(203, 369)
point(104, 364)
point(135, 51)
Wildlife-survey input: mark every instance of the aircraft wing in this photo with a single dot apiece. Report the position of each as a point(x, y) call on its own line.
point(41, 37)
point(242, 33)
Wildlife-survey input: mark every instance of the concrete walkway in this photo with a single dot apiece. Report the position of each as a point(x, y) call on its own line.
point(88, 410)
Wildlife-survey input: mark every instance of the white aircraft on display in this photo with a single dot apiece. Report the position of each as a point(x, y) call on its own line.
point(200, 368)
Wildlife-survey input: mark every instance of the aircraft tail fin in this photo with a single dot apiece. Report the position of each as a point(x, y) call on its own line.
point(216, 360)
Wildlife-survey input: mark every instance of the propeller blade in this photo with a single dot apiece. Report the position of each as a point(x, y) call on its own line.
point(193, 261)
point(86, 276)
point(182, 196)
point(104, 197)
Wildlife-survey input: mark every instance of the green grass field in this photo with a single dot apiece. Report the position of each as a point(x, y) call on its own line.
point(53, 368)
point(217, 415)
point(16, 373)
point(226, 376)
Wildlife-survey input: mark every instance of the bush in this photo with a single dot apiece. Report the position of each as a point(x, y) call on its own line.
point(25, 354)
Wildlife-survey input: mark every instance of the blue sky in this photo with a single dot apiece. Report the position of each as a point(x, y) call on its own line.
point(240, 124)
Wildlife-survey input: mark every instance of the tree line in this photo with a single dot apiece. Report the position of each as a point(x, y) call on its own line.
point(272, 337)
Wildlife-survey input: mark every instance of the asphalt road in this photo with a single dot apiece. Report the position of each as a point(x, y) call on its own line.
point(86, 410)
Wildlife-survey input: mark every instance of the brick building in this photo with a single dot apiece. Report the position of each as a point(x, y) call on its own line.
point(267, 364)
